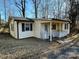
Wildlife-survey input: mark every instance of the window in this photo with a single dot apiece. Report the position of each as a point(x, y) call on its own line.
point(26, 26)
point(54, 26)
point(66, 26)
point(23, 27)
point(46, 27)
point(31, 27)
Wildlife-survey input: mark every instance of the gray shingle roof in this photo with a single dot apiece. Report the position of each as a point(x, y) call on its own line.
point(32, 19)
point(22, 19)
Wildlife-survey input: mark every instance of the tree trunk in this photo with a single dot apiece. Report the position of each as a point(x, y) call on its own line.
point(36, 15)
point(21, 7)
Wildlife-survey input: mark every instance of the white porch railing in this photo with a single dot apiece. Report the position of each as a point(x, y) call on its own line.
point(44, 35)
point(59, 34)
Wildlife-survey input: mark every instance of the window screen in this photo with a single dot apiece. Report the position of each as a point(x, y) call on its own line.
point(66, 26)
point(54, 26)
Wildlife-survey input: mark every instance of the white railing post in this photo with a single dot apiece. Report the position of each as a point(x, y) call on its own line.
point(50, 31)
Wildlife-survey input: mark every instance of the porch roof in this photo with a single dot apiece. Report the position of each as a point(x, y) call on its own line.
point(57, 20)
point(52, 19)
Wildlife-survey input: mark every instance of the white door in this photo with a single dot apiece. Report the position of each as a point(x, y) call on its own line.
point(46, 29)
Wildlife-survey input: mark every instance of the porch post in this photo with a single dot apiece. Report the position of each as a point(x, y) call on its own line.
point(50, 31)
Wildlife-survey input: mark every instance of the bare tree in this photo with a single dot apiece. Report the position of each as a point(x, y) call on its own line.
point(21, 5)
point(10, 13)
point(0, 18)
point(59, 8)
point(36, 5)
point(73, 13)
point(44, 8)
point(52, 8)
point(5, 8)
point(55, 8)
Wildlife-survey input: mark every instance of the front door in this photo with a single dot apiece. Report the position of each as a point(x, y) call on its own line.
point(45, 31)
point(46, 27)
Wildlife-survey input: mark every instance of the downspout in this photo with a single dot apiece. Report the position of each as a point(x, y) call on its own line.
point(17, 30)
point(9, 27)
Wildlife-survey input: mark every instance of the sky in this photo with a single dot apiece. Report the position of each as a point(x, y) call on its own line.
point(10, 7)
point(13, 10)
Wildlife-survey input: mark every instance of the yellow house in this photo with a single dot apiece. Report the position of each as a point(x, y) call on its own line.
point(40, 28)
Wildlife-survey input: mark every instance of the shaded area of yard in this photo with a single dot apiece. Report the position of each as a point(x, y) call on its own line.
point(67, 53)
point(11, 48)
point(71, 52)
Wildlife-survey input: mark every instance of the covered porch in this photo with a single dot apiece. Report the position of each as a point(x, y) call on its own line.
point(51, 29)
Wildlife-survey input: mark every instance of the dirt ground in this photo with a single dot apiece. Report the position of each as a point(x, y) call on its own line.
point(11, 48)
point(30, 48)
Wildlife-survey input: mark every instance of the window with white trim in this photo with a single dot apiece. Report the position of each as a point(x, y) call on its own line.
point(66, 26)
point(26, 26)
point(54, 26)
point(23, 27)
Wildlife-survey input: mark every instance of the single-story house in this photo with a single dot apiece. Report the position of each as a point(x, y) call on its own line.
point(40, 28)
